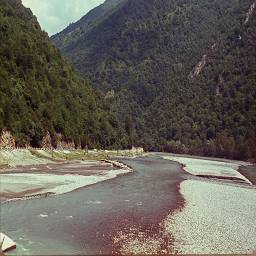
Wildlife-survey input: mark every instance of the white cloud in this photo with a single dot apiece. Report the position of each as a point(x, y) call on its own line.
point(55, 15)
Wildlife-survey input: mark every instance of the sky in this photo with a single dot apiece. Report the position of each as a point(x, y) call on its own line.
point(55, 15)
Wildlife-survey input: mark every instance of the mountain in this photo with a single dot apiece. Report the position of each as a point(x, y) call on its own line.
point(182, 74)
point(76, 30)
point(40, 94)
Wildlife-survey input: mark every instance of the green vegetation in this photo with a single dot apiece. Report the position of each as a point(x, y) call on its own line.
point(40, 93)
point(75, 30)
point(23, 157)
point(60, 155)
point(142, 54)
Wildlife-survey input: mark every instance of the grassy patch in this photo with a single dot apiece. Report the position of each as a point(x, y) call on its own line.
point(39, 156)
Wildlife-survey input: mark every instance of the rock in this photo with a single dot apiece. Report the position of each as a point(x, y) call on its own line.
point(6, 243)
point(7, 140)
point(61, 144)
point(249, 13)
point(198, 68)
point(47, 141)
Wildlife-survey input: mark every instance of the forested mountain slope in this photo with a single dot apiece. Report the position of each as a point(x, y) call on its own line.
point(215, 112)
point(40, 93)
point(74, 31)
point(182, 74)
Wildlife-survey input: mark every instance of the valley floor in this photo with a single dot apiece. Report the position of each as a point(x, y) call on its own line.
point(24, 157)
point(51, 179)
point(169, 204)
point(217, 218)
point(217, 215)
point(27, 174)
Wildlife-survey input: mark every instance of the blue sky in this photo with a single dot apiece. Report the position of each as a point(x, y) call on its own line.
point(55, 15)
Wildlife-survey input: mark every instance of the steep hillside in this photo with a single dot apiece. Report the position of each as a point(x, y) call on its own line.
point(183, 72)
point(75, 31)
point(215, 112)
point(39, 92)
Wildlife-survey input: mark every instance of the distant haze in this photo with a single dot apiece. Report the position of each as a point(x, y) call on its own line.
point(55, 15)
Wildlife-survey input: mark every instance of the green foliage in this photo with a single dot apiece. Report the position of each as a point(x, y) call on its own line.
point(74, 31)
point(145, 52)
point(40, 92)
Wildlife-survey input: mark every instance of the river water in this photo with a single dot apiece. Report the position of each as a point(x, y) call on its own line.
point(86, 221)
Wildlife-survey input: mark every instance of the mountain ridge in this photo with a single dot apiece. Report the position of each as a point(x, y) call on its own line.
point(165, 61)
point(82, 26)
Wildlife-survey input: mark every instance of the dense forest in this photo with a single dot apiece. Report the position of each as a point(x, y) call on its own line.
point(180, 74)
point(40, 93)
point(74, 31)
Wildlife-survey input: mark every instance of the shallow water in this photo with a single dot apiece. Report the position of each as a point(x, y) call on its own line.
point(86, 221)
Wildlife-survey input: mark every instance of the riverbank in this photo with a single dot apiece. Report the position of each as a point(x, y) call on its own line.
point(159, 209)
point(219, 208)
point(211, 168)
point(32, 173)
point(24, 157)
point(86, 221)
point(33, 181)
point(218, 218)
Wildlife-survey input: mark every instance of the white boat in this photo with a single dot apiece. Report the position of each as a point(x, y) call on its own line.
point(6, 243)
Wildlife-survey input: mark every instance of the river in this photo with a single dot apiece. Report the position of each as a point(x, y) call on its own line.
point(87, 220)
